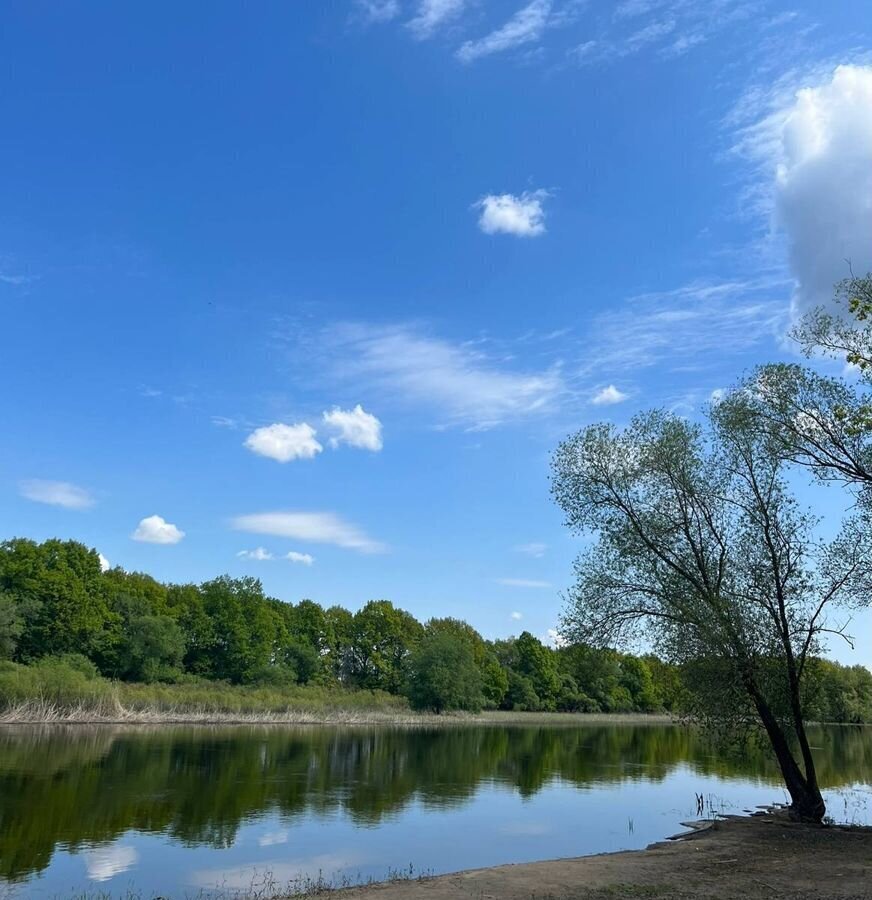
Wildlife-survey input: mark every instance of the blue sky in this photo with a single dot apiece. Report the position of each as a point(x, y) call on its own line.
point(366, 263)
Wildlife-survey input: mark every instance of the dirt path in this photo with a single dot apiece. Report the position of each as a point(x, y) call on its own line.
point(761, 856)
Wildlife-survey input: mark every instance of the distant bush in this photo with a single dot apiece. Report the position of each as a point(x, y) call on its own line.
point(65, 681)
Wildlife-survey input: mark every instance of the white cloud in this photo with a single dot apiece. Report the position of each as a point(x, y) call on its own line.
point(523, 583)
point(355, 427)
point(516, 616)
point(464, 385)
point(823, 182)
point(56, 493)
point(304, 559)
point(432, 15)
point(260, 554)
point(103, 863)
point(284, 442)
point(156, 530)
point(378, 10)
point(536, 549)
point(698, 320)
point(315, 527)
point(608, 396)
point(524, 27)
point(554, 639)
point(105, 565)
point(521, 216)
point(271, 838)
point(717, 395)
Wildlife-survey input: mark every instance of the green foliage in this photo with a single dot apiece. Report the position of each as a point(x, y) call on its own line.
point(243, 625)
point(382, 637)
point(443, 674)
point(529, 658)
point(11, 625)
point(60, 594)
point(225, 642)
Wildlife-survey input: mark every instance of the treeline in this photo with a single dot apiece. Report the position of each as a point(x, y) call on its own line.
point(58, 607)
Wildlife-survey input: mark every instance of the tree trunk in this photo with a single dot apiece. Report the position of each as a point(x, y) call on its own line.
point(806, 802)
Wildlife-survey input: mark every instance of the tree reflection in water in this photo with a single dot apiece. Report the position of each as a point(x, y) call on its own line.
point(74, 787)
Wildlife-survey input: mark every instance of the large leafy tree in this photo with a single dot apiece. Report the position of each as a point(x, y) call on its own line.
point(58, 595)
point(703, 550)
point(821, 422)
point(382, 637)
point(244, 628)
point(494, 681)
point(442, 673)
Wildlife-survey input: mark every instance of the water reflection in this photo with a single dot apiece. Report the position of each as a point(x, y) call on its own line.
point(81, 789)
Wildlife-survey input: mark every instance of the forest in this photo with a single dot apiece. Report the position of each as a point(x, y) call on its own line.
point(68, 628)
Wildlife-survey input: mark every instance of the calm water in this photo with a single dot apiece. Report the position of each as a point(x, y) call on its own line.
point(173, 810)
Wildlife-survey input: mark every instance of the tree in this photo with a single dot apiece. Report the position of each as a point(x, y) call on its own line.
point(494, 682)
point(823, 423)
point(154, 648)
point(244, 628)
point(58, 590)
point(382, 637)
point(443, 674)
point(11, 625)
point(703, 549)
point(536, 662)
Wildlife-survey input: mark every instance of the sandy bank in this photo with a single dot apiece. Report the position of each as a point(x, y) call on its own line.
point(760, 856)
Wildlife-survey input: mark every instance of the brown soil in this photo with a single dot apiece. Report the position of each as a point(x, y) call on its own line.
point(760, 856)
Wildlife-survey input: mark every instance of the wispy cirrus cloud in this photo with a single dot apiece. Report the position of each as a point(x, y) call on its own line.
point(524, 27)
point(375, 11)
point(431, 15)
point(313, 527)
point(459, 383)
point(523, 583)
point(536, 549)
point(56, 493)
point(694, 321)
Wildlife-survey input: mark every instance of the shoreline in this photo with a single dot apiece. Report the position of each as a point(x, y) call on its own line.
point(87, 717)
point(730, 858)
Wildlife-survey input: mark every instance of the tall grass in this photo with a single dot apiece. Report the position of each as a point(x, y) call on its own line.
point(70, 690)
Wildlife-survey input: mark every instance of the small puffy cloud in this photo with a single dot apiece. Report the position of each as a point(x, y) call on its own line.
point(522, 216)
point(524, 27)
point(284, 442)
point(354, 427)
point(304, 559)
point(717, 395)
point(523, 583)
point(56, 493)
point(315, 527)
point(608, 396)
point(105, 565)
point(432, 15)
point(260, 554)
point(156, 530)
point(516, 616)
point(536, 549)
